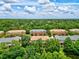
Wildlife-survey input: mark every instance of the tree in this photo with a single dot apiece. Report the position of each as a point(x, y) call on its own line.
point(68, 45)
point(3, 45)
point(16, 43)
point(39, 45)
point(13, 52)
point(76, 47)
point(30, 50)
point(25, 41)
point(62, 55)
point(55, 55)
point(53, 45)
point(44, 55)
point(49, 55)
point(71, 47)
point(19, 57)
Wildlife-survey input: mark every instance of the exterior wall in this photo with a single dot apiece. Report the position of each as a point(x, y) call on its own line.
point(38, 33)
point(74, 31)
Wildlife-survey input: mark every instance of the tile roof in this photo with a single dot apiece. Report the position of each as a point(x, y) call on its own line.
point(58, 32)
point(9, 39)
point(74, 30)
point(38, 30)
point(14, 31)
point(62, 38)
point(39, 37)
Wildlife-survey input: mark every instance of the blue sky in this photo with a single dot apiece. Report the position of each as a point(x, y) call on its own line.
point(67, 1)
point(50, 9)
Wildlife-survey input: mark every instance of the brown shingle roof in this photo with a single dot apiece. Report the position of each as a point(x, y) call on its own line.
point(58, 32)
point(16, 32)
point(74, 30)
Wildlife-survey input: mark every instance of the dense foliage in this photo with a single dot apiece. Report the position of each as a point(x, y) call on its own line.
point(71, 47)
point(39, 49)
point(50, 49)
point(37, 24)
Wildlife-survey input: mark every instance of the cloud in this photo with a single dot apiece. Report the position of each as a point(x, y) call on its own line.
point(1, 2)
point(63, 8)
point(11, 1)
point(6, 7)
point(18, 14)
point(30, 9)
point(43, 1)
point(41, 7)
point(66, 9)
point(49, 7)
point(1, 13)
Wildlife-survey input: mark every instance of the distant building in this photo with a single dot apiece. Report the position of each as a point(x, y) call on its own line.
point(16, 32)
point(74, 31)
point(58, 32)
point(5, 40)
point(9, 40)
point(38, 32)
point(39, 37)
point(2, 33)
point(62, 38)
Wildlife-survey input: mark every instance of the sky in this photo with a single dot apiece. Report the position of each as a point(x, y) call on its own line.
point(39, 9)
